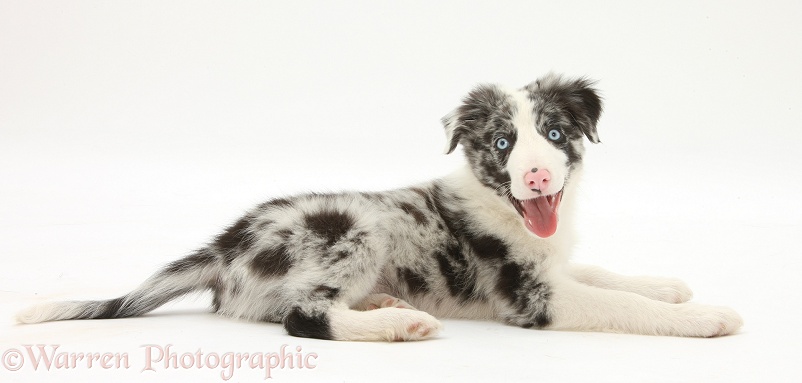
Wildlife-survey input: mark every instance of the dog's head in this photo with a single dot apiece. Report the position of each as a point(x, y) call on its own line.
point(525, 143)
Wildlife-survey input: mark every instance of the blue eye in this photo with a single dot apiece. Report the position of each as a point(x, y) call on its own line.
point(555, 135)
point(502, 144)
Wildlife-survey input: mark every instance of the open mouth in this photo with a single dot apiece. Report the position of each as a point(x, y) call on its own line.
point(540, 214)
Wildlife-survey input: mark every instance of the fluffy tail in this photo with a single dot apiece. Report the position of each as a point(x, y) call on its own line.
point(195, 272)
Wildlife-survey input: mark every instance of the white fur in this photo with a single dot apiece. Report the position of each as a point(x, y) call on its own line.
point(670, 290)
point(582, 307)
point(533, 151)
point(382, 324)
point(45, 312)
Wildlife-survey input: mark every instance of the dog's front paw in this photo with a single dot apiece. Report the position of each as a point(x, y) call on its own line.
point(708, 321)
point(670, 290)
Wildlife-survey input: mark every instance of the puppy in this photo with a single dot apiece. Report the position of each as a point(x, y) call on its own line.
point(489, 242)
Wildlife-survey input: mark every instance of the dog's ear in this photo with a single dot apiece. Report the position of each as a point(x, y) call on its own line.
point(454, 130)
point(475, 110)
point(585, 106)
point(577, 97)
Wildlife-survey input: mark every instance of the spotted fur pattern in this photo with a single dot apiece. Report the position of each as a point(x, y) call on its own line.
point(382, 266)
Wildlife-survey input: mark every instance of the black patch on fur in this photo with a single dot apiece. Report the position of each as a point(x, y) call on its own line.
point(413, 211)
point(450, 273)
point(542, 319)
point(484, 246)
point(136, 304)
point(111, 309)
point(236, 237)
point(199, 259)
point(325, 292)
point(416, 283)
point(519, 288)
point(300, 324)
point(455, 221)
point(453, 261)
point(271, 262)
point(573, 155)
point(488, 247)
point(331, 225)
point(454, 267)
point(510, 280)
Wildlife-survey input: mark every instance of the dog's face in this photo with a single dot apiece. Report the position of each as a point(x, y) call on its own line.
point(525, 143)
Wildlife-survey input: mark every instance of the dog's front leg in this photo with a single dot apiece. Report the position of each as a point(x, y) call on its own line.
point(669, 290)
point(577, 306)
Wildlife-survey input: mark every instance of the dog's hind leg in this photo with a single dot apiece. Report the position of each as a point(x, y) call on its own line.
point(327, 319)
point(339, 264)
point(383, 324)
point(321, 310)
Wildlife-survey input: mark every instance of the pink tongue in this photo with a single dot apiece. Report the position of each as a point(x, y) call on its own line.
point(540, 216)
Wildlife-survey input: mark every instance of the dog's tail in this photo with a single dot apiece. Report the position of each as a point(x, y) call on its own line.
point(198, 271)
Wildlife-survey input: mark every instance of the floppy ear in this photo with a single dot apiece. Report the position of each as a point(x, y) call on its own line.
point(585, 106)
point(475, 110)
point(451, 123)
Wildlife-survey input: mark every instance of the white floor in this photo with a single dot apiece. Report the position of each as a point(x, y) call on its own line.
point(129, 135)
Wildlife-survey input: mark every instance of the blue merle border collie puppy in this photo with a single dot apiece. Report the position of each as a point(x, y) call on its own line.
point(481, 243)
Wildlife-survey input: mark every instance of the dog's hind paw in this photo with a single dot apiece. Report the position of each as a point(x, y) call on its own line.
point(378, 301)
point(418, 326)
point(389, 324)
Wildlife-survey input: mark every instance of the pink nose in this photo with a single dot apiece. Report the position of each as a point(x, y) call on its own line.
point(537, 179)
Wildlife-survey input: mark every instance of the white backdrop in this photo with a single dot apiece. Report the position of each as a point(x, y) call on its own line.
point(131, 132)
